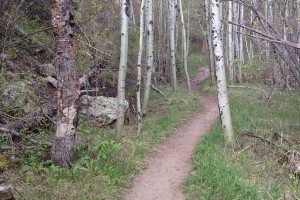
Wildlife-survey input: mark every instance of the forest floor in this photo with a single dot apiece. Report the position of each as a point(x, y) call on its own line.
point(170, 164)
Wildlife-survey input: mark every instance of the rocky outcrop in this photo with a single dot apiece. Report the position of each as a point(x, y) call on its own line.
point(103, 109)
point(18, 95)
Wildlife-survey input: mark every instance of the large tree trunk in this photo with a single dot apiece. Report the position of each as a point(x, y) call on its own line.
point(149, 22)
point(139, 69)
point(220, 72)
point(68, 82)
point(125, 5)
point(184, 45)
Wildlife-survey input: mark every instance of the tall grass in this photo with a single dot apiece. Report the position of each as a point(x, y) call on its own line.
point(251, 170)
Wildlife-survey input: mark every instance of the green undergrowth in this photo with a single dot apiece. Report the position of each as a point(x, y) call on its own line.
point(103, 166)
point(253, 169)
point(196, 60)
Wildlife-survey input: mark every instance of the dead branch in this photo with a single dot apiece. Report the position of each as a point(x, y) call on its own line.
point(283, 42)
point(253, 135)
point(157, 90)
point(29, 35)
point(34, 118)
point(34, 40)
point(10, 131)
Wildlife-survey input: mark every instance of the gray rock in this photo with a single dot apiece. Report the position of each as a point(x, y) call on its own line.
point(18, 95)
point(104, 109)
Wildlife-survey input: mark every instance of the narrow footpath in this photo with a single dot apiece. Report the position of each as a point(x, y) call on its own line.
point(170, 164)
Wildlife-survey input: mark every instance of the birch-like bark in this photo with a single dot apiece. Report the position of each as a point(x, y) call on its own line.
point(62, 151)
point(132, 12)
point(139, 68)
point(176, 26)
point(250, 56)
point(220, 72)
point(298, 31)
point(267, 17)
point(188, 29)
point(236, 40)
point(122, 67)
point(160, 58)
point(298, 21)
point(149, 49)
point(209, 41)
point(184, 45)
point(230, 43)
point(285, 29)
point(172, 42)
point(241, 45)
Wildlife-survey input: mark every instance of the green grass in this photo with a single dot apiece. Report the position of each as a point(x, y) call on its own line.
point(196, 60)
point(251, 170)
point(103, 166)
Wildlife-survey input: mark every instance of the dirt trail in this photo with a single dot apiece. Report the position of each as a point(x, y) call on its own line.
point(170, 164)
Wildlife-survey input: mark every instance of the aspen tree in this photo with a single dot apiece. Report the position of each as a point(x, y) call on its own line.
point(172, 19)
point(188, 29)
point(267, 17)
point(241, 45)
point(209, 41)
point(184, 45)
point(230, 43)
point(220, 72)
point(132, 15)
point(149, 52)
point(122, 67)
point(236, 40)
point(251, 52)
point(285, 38)
point(139, 68)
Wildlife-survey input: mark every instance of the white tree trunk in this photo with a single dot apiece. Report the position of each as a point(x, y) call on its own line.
point(250, 56)
point(285, 31)
point(220, 72)
point(184, 45)
point(230, 42)
point(236, 40)
point(267, 17)
point(172, 12)
point(139, 68)
point(298, 13)
point(149, 49)
point(122, 67)
point(188, 29)
point(241, 45)
point(209, 41)
point(132, 12)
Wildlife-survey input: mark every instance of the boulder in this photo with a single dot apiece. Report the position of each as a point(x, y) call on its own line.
point(103, 109)
point(20, 95)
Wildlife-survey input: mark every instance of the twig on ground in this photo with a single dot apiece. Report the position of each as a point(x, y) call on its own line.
point(10, 131)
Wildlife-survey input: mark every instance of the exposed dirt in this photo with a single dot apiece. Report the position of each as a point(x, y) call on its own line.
point(170, 164)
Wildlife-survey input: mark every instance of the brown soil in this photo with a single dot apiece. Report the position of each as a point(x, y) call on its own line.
point(170, 164)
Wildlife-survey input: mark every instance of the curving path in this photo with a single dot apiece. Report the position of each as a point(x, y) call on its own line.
point(169, 165)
